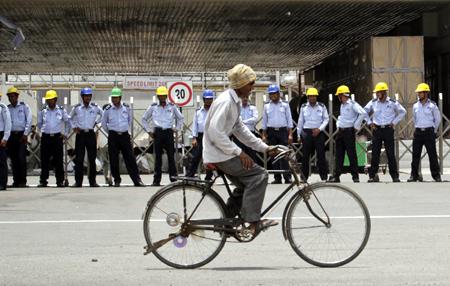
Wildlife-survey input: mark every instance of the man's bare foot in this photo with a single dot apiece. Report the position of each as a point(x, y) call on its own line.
point(258, 226)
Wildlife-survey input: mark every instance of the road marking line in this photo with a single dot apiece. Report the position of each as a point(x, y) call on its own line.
point(160, 220)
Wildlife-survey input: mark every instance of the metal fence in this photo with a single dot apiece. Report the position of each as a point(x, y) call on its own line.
point(403, 148)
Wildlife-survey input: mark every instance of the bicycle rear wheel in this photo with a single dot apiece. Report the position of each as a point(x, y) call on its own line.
point(339, 237)
point(165, 215)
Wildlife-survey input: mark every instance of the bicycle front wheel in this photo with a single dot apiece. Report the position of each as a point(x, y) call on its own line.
point(328, 225)
point(166, 213)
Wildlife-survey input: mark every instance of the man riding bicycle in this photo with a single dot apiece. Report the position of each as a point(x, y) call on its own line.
point(224, 120)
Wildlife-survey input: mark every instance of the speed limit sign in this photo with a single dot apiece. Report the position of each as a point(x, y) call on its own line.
point(180, 93)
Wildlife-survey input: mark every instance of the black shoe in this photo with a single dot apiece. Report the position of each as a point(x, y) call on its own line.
point(24, 185)
point(155, 184)
point(396, 180)
point(323, 178)
point(42, 185)
point(116, 184)
point(2, 188)
point(437, 179)
point(76, 185)
point(334, 179)
point(374, 179)
point(60, 185)
point(355, 180)
point(139, 184)
point(276, 182)
point(412, 179)
point(94, 185)
point(288, 181)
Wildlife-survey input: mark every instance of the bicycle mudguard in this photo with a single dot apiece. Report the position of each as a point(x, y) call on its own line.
point(289, 204)
point(285, 212)
point(163, 189)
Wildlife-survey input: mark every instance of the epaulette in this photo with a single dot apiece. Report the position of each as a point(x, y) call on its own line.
point(107, 107)
point(393, 100)
point(93, 104)
point(268, 101)
point(251, 104)
point(304, 104)
point(125, 104)
point(21, 103)
point(154, 104)
point(77, 105)
point(321, 104)
point(434, 102)
point(171, 103)
point(2, 105)
point(375, 99)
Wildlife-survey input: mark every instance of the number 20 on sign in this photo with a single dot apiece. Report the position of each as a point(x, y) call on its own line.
point(180, 93)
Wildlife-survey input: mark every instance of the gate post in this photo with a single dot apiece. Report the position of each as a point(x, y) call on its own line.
point(330, 133)
point(441, 136)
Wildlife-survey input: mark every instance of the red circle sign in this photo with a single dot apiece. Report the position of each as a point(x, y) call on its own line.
point(180, 93)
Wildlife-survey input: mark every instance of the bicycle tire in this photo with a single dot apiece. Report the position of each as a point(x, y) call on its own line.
point(347, 211)
point(168, 253)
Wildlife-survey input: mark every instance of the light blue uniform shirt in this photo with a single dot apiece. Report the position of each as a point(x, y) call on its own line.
point(426, 115)
point(86, 117)
point(20, 117)
point(198, 125)
point(312, 116)
point(5, 121)
point(117, 118)
point(249, 115)
point(384, 113)
point(351, 115)
point(54, 121)
point(277, 115)
point(163, 117)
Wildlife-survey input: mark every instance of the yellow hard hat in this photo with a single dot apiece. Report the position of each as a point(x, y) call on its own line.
point(12, 90)
point(50, 94)
point(312, 92)
point(343, 89)
point(422, 87)
point(1, 94)
point(162, 90)
point(381, 86)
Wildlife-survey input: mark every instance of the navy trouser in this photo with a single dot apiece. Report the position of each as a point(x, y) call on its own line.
point(17, 151)
point(425, 136)
point(279, 136)
point(85, 141)
point(385, 135)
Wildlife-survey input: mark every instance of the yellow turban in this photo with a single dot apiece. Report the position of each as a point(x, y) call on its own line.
point(240, 75)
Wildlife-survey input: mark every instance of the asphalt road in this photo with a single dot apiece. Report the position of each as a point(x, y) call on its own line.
point(94, 237)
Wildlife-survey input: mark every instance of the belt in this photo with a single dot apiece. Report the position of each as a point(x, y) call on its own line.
point(17, 132)
point(51, 134)
point(162, 129)
point(383, 126)
point(118, 133)
point(425, 129)
point(348, 128)
point(87, 130)
point(277, 128)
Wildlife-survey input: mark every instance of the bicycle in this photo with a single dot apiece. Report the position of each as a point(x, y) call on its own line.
point(186, 224)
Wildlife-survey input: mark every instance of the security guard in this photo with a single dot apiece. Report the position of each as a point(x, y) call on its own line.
point(51, 121)
point(427, 118)
point(5, 131)
point(383, 113)
point(17, 144)
point(116, 122)
point(161, 117)
point(312, 121)
point(198, 126)
point(84, 117)
point(349, 121)
point(277, 127)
